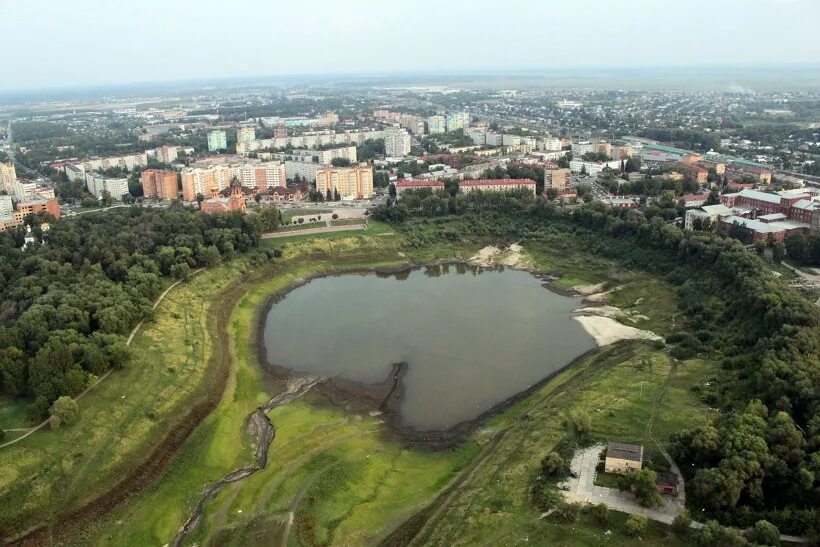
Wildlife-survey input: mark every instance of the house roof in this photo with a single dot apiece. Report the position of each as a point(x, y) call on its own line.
point(755, 225)
point(805, 204)
point(624, 451)
point(667, 478)
point(496, 182)
point(773, 216)
point(404, 183)
point(719, 210)
point(760, 196)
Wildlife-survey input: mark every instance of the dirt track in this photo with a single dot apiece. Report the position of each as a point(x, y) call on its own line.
point(65, 526)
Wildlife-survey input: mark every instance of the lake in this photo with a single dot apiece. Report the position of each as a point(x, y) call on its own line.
point(472, 337)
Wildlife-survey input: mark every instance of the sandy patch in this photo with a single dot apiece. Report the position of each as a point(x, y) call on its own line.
point(512, 257)
point(588, 289)
point(486, 256)
point(606, 330)
point(603, 311)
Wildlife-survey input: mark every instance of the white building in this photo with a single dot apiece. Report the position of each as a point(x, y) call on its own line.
point(550, 144)
point(494, 139)
point(305, 170)
point(217, 140)
point(592, 168)
point(436, 124)
point(581, 148)
point(97, 184)
point(457, 120)
point(6, 206)
point(396, 143)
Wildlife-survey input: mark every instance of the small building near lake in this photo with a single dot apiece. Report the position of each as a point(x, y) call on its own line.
point(622, 458)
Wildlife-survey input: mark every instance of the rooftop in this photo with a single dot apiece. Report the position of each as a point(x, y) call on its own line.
point(624, 451)
point(496, 182)
point(760, 196)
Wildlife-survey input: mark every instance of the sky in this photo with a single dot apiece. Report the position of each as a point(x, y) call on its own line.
point(66, 43)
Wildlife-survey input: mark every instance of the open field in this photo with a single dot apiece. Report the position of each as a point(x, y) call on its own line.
point(334, 477)
point(123, 418)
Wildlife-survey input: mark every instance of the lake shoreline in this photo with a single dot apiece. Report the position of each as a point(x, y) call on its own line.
point(383, 399)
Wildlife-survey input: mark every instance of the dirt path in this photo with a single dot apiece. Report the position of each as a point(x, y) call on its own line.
point(104, 376)
point(66, 525)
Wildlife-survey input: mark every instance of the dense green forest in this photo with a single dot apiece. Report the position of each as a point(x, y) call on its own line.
point(761, 460)
point(68, 300)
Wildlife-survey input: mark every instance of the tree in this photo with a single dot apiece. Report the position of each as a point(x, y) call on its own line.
point(643, 486)
point(552, 464)
point(340, 162)
point(105, 198)
point(797, 246)
point(552, 194)
point(635, 525)
point(714, 196)
point(199, 198)
point(763, 533)
point(682, 523)
point(778, 252)
point(392, 191)
point(601, 513)
point(583, 169)
point(65, 409)
point(336, 196)
point(579, 423)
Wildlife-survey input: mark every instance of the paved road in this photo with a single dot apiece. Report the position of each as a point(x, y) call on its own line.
point(311, 231)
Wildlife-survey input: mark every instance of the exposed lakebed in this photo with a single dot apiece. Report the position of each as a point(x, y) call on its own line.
point(471, 337)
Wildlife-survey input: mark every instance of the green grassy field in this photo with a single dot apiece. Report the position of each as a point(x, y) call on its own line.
point(374, 227)
point(334, 476)
point(122, 418)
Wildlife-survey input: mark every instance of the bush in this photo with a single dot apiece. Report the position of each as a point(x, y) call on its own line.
point(600, 513)
point(544, 495)
point(635, 525)
point(567, 512)
point(65, 409)
point(552, 464)
point(334, 216)
point(579, 423)
point(682, 523)
point(763, 533)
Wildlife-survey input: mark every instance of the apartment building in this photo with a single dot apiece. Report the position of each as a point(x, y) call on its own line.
point(324, 157)
point(497, 185)
point(7, 177)
point(6, 206)
point(258, 176)
point(167, 154)
point(557, 178)
point(457, 120)
point(414, 124)
point(98, 184)
point(302, 170)
point(18, 216)
point(159, 184)
point(350, 182)
point(245, 134)
point(593, 168)
point(396, 143)
point(436, 124)
point(550, 144)
point(77, 170)
point(217, 140)
point(402, 185)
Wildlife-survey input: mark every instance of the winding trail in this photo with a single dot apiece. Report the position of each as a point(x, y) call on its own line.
point(100, 380)
point(261, 431)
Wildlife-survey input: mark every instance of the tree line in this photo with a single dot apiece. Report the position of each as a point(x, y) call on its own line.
point(761, 459)
point(68, 300)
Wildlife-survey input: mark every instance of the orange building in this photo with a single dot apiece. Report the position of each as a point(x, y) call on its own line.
point(234, 202)
point(25, 209)
point(160, 184)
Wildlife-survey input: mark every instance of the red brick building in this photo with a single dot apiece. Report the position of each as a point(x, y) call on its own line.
point(159, 184)
point(234, 202)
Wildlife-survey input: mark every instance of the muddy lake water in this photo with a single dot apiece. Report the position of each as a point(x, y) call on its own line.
point(471, 337)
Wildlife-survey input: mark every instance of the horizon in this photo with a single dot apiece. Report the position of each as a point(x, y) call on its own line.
point(91, 45)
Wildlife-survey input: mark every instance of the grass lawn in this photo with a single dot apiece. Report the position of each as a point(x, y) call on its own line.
point(607, 480)
point(13, 414)
point(374, 227)
point(347, 222)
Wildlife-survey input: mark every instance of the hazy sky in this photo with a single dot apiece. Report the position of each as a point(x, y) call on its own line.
point(51, 43)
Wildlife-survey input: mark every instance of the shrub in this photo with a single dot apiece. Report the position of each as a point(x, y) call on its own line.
point(552, 464)
point(65, 409)
point(334, 216)
point(567, 512)
point(635, 525)
point(763, 533)
point(600, 513)
point(682, 523)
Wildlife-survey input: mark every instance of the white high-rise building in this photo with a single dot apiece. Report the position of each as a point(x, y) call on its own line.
point(396, 143)
point(217, 140)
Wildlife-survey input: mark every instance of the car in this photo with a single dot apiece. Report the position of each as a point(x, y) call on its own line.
point(563, 487)
point(573, 474)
